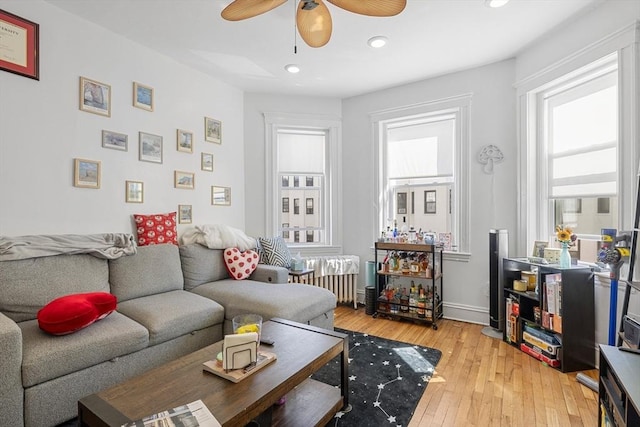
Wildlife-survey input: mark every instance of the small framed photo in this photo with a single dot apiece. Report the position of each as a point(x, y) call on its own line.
point(185, 214)
point(115, 140)
point(220, 195)
point(134, 192)
point(184, 180)
point(538, 248)
point(212, 130)
point(206, 162)
point(86, 173)
point(20, 52)
point(184, 141)
point(150, 147)
point(95, 97)
point(142, 96)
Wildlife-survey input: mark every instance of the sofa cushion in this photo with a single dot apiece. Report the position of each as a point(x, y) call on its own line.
point(28, 285)
point(152, 270)
point(297, 302)
point(71, 313)
point(240, 265)
point(156, 229)
point(46, 357)
point(201, 265)
point(274, 251)
point(172, 314)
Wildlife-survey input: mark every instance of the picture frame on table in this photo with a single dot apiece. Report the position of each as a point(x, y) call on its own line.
point(220, 196)
point(134, 192)
point(95, 97)
point(212, 130)
point(20, 47)
point(185, 214)
point(186, 180)
point(86, 173)
point(115, 140)
point(142, 96)
point(538, 248)
point(149, 147)
point(206, 162)
point(184, 141)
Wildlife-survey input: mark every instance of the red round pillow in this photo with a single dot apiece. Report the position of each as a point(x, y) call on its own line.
point(71, 313)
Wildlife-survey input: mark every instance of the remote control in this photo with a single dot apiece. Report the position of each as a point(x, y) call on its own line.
point(266, 341)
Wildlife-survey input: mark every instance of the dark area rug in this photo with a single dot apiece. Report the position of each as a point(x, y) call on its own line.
point(386, 380)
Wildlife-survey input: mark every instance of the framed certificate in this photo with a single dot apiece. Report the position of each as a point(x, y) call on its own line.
point(19, 40)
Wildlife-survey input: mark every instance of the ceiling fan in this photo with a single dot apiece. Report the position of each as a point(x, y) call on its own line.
point(313, 19)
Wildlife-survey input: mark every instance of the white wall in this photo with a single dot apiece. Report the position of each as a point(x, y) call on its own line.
point(493, 197)
point(42, 130)
point(255, 104)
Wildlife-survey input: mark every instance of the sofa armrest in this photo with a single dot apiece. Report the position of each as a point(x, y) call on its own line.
point(11, 392)
point(270, 274)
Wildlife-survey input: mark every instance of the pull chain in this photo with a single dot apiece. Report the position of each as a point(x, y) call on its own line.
point(295, 29)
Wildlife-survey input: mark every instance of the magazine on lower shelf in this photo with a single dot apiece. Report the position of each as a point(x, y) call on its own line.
point(194, 414)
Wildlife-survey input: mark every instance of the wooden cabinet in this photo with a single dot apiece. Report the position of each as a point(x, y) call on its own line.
point(553, 317)
point(398, 283)
point(619, 388)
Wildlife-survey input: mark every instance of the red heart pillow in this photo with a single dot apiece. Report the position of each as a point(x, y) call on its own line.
point(71, 313)
point(240, 265)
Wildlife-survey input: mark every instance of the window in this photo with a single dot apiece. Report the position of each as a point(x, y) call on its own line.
point(285, 205)
point(579, 127)
point(305, 149)
point(285, 181)
point(423, 149)
point(296, 236)
point(577, 119)
point(285, 231)
point(310, 236)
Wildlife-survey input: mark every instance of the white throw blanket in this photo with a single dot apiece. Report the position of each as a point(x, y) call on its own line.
point(105, 246)
point(218, 236)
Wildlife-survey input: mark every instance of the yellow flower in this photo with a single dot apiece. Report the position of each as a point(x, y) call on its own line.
point(563, 234)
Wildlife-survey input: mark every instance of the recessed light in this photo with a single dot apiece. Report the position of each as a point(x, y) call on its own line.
point(496, 3)
point(377, 41)
point(292, 68)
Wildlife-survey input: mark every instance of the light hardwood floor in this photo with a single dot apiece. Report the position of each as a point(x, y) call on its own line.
point(482, 381)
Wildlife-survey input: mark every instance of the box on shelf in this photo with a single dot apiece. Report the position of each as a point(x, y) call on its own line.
point(552, 255)
point(550, 350)
point(537, 353)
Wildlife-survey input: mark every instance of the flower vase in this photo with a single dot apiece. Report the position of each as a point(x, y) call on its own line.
point(565, 258)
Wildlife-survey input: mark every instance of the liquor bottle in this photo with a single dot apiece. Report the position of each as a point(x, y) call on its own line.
point(404, 301)
point(413, 300)
point(422, 302)
point(383, 303)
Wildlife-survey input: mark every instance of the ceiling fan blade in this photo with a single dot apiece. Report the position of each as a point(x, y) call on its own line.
point(372, 7)
point(314, 25)
point(243, 9)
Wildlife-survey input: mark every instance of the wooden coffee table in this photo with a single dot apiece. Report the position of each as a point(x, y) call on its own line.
point(301, 350)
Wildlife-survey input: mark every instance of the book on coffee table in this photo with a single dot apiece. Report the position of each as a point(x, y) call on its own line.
point(195, 414)
point(237, 375)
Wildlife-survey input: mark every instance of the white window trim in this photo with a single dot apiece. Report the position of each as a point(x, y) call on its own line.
point(531, 225)
point(333, 192)
point(457, 105)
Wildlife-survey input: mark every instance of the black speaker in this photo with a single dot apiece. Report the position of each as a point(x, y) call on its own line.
point(498, 250)
point(370, 300)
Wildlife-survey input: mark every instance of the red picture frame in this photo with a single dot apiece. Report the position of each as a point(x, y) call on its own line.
point(19, 45)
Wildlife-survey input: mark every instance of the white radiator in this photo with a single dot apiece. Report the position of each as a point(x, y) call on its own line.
point(338, 274)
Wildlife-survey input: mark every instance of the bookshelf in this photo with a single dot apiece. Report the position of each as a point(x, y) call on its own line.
point(560, 309)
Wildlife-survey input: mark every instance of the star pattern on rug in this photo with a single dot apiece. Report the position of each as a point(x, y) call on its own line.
point(386, 372)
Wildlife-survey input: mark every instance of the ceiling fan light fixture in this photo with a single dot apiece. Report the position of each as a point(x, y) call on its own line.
point(496, 3)
point(377, 41)
point(292, 68)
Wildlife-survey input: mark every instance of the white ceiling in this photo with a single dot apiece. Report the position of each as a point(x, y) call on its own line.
point(429, 38)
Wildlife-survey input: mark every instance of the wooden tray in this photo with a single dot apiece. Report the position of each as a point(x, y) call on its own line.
point(237, 375)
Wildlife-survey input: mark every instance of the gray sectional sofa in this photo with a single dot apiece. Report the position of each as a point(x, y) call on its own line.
point(171, 301)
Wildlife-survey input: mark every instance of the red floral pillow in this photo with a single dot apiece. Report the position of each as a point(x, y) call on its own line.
point(156, 229)
point(240, 265)
point(71, 313)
